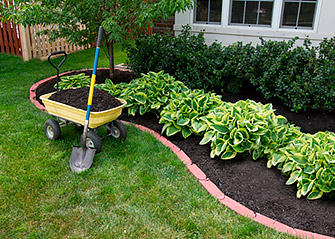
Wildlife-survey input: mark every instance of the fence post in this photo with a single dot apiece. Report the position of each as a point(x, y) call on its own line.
point(25, 43)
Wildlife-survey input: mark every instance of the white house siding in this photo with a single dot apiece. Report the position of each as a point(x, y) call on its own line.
point(225, 33)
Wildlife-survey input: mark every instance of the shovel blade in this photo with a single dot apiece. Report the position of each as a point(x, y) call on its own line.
point(81, 159)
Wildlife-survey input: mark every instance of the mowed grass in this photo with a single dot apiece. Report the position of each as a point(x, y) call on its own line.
point(135, 189)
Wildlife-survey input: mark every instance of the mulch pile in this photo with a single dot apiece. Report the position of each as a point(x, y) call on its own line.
point(250, 182)
point(78, 98)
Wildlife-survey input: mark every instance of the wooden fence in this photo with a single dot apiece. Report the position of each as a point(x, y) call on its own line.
point(24, 41)
point(9, 35)
point(38, 46)
point(10, 39)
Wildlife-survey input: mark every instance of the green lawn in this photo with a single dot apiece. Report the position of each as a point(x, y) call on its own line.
point(135, 189)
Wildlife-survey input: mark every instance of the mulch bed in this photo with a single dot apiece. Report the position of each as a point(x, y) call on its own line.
point(250, 182)
point(77, 98)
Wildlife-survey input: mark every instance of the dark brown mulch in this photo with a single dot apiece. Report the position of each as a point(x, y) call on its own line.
point(78, 98)
point(250, 182)
point(102, 75)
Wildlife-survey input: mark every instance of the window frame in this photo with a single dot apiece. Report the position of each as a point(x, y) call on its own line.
point(244, 13)
point(296, 27)
point(208, 22)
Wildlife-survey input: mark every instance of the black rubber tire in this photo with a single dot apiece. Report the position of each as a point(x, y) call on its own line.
point(120, 130)
point(52, 129)
point(92, 141)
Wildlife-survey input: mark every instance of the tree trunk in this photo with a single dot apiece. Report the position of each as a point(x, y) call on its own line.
point(111, 60)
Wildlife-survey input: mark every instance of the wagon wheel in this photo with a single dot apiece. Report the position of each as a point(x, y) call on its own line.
point(52, 129)
point(93, 141)
point(118, 130)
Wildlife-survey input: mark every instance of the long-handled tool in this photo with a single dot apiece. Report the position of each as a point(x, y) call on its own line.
point(82, 157)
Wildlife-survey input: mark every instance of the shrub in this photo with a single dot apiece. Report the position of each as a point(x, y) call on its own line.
point(231, 66)
point(188, 58)
point(301, 77)
point(283, 70)
point(323, 83)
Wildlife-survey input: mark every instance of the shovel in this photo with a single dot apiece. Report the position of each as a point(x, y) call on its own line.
point(82, 157)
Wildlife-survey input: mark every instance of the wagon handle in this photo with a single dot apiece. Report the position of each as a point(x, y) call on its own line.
point(60, 64)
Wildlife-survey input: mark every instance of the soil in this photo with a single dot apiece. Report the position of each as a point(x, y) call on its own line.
point(101, 76)
point(250, 182)
point(78, 98)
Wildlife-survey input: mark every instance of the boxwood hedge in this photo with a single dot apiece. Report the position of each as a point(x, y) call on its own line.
point(302, 77)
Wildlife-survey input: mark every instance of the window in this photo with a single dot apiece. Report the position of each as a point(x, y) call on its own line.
point(299, 13)
point(208, 11)
point(251, 12)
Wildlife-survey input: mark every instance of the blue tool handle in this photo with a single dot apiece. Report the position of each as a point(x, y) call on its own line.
point(90, 98)
point(101, 29)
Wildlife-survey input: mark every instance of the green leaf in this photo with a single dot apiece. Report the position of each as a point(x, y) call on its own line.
point(198, 125)
point(278, 158)
point(186, 132)
point(133, 110)
point(281, 132)
point(293, 177)
point(142, 110)
point(207, 137)
point(228, 155)
point(220, 147)
point(164, 99)
point(307, 186)
point(256, 153)
point(298, 158)
point(155, 106)
point(315, 194)
point(251, 127)
point(281, 119)
point(195, 105)
point(182, 121)
point(221, 128)
point(166, 126)
point(287, 167)
point(202, 101)
point(309, 170)
point(171, 130)
point(140, 97)
point(167, 116)
point(240, 148)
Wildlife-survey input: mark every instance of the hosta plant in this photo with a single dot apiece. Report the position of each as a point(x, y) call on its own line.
point(74, 81)
point(245, 126)
point(148, 93)
point(185, 110)
point(309, 161)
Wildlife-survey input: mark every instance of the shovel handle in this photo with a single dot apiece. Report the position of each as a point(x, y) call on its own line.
point(90, 96)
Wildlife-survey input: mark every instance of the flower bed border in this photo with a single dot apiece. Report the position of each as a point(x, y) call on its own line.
point(198, 173)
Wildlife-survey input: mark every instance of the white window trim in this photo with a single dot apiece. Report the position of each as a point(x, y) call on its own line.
point(192, 17)
point(277, 12)
point(245, 24)
point(299, 28)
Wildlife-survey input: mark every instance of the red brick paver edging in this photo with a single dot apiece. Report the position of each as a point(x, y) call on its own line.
point(202, 178)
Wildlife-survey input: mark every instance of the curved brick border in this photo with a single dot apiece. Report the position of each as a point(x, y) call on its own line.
point(202, 178)
point(227, 201)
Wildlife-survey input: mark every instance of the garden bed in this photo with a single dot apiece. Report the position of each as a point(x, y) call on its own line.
point(250, 182)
